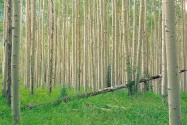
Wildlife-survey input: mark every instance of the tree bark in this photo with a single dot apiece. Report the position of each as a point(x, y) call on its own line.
point(32, 56)
point(15, 62)
point(164, 65)
point(9, 49)
point(5, 35)
point(172, 66)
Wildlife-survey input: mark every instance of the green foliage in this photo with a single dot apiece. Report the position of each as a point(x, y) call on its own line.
point(115, 108)
point(131, 87)
point(108, 109)
point(64, 92)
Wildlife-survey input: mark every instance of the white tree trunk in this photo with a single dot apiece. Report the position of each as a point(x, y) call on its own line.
point(15, 62)
point(172, 68)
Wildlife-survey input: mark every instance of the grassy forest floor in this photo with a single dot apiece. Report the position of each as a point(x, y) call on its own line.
point(114, 108)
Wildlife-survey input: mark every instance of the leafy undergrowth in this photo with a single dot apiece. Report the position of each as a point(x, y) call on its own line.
point(115, 108)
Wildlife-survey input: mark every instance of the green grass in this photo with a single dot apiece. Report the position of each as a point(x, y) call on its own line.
point(115, 108)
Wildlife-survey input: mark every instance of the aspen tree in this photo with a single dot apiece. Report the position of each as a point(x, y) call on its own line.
point(59, 43)
point(28, 44)
point(9, 49)
point(32, 56)
point(98, 49)
point(159, 45)
point(92, 69)
point(143, 39)
point(125, 37)
point(22, 62)
point(116, 42)
point(105, 42)
point(172, 66)
point(79, 44)
point(145, 48)
point(85, 49)
point(164, 66)
point(102, 42)
point(88, 44)
point(38, 48)
point(51, 31)
point(184, 43)
point(140, 36)
point(134, 37)
point(76, 55)
point(150, 46)
point(55, 43)
point(67, 46)
point(94, 45)
point(155, 46)
point(73, 47)
point(146, 60)
point(43, 49)
point(113, 44)
point(5, 65)
point(64, 42)
point(15, 62)
point(59, 34)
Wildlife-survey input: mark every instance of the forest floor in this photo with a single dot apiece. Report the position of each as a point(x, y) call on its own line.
point(113, 108)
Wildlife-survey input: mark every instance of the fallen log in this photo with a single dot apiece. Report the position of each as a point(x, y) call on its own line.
point(85, 95)
point(150, 78)
point(158, 76)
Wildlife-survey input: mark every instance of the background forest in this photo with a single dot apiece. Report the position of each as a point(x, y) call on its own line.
point(72, 49)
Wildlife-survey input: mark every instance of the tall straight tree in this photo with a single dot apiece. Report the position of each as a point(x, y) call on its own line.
point(184, 42)
point(5, 66)
point(15, 62)
point(28, 39)
point(79, 42)
point(73, 46)
point(134, 36)
point(172, 66)
point(113, 44)
point(140, 37)
point(43, 50)
point(51, 37)
point(32, 57)
point(164, 68)
point(116, 40)
point(64, 41)
point(85, 49)
point(9, 49)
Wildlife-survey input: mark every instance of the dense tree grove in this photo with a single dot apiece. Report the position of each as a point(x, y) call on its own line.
point(94, 44)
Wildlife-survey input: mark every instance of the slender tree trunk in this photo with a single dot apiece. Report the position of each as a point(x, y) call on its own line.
point(172, 66)
point(164, 66)
point(15, 62)
point(42, 40)
point(85, 49)
point(140, 36)
point(64, 43)
point(95, 44)
point(38, 47)
point(51, 31)
point(79, 44)
point(184, 43)
point(28, 44)
point(9, 49)
point(134, 39)
point(5, 35)
point(113, 44)
point(32, 80)
point(116, 41)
